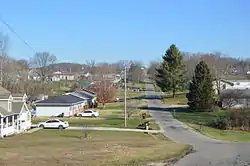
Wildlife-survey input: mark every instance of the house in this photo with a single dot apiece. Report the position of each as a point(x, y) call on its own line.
point(58, 76)
point(235, 98)
point(87, 95)
point(15, 116)
point(231, 84)
point(68, 105)
point(19, 97)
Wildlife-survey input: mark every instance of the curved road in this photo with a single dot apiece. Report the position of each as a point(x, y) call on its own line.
point(208, 152)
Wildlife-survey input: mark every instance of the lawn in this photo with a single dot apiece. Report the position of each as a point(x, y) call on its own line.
point(130, 94)
point(226, 135)
point(55, 147)
point(111, 116)
point(203, 117)
point(137, 85)
point(179, 99)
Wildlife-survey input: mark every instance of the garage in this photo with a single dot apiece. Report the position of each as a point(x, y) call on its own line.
point(68, 105)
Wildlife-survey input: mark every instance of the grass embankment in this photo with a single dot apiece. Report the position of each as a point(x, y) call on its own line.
point(111, 116)
point(192, 118)
point(55, 147)
point(226, 135)
point(179, 99)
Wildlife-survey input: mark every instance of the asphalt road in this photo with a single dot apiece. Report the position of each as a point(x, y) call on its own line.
point(208, 152)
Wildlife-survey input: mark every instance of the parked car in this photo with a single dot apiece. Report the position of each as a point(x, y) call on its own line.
point(88, 113)
point(54, 123)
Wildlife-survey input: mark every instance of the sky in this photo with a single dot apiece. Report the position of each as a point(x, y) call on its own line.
point(112, 30)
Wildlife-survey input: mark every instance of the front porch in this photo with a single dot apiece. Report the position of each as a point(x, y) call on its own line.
point(9, 125)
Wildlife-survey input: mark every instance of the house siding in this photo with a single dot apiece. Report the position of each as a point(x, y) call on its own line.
point(52, 110)
point(4, 104)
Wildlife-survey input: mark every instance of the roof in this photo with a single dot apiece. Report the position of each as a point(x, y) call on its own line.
point(82, 95)
point(4, 111)
point(17, 107)
point(236, 93)
point(4, 93)
point(60, 100)
point(18, 95)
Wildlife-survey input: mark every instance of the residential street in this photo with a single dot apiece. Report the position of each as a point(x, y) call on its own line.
point(208, 152)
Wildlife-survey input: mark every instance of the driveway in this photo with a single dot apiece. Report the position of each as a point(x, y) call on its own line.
point(208, 152)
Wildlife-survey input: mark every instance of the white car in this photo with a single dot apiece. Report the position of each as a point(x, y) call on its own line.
point(54, 123)
point(88, 113)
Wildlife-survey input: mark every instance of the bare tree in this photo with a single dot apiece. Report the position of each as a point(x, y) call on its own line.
point(230, 98)
point(105, 91)
point(42, 62)
point(91, 66)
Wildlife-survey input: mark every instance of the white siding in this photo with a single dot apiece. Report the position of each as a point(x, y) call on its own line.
point(52, 110)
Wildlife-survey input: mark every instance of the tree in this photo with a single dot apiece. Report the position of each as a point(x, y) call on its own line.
point(105, 91)
point(135, 72)
point(152, 69)
point(170, 74)
point(201, 92)
point(42, 62)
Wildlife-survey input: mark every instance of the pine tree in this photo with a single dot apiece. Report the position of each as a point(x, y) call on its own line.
point(170, 75)
point(201, 92)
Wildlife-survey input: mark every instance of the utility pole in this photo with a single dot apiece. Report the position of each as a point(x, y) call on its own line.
point(125, 96)
point(1, 48)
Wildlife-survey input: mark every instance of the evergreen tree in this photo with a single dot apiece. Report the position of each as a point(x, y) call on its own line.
point(201, 92)
point(170, 75)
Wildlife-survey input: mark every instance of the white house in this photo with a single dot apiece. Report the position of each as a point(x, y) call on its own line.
point(15, 116)
point(231, 84)
point(69, 105)
point(58, 76)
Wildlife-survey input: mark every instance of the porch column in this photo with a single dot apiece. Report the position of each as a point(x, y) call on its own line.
point(13, 120)
point(7, 121)
point(1, 123)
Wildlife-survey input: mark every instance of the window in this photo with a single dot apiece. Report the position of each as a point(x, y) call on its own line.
point(52, 121)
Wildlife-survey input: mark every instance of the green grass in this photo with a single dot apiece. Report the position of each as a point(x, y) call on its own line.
point(199, 116)
point(55, 147)
point(177, 100)
point(138, 85)
point(130, 94)
point(226, 135)
point(111, 116)
point(236, 77)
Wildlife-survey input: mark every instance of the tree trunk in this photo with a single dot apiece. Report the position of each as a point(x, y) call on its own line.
point(103, 104)
point(173, 91)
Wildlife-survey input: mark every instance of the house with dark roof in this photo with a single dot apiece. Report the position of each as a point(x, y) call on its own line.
point(68, 105)
point(88, 95)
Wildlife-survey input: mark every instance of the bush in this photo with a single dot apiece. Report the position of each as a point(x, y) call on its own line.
point(234, 120)
point(221, 123)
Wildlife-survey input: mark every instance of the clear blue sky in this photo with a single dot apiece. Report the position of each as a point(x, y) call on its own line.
point(110, 30)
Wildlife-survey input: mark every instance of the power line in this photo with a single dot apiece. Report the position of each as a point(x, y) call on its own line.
point(13, 31)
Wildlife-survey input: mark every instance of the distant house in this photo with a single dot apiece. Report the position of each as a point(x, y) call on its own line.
point(87, 95)
point(58, 76)
point(231, 84)
point(68, 105)
point(15, 116)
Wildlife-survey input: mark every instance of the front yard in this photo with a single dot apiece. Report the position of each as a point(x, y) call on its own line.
point(55, 147)
point(197, 119)
point(179, 99)
point(111, 116)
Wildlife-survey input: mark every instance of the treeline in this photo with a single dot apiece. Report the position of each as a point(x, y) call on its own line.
point(171, 76)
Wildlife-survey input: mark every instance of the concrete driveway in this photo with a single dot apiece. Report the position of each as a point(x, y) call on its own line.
point(208, 152)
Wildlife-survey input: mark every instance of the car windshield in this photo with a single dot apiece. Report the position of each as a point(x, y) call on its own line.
point(61, 120)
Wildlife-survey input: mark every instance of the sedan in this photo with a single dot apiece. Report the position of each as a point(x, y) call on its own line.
point(88, 113)
point(54, 123)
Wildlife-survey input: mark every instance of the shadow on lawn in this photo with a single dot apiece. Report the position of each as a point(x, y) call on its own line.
point(177, 109)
